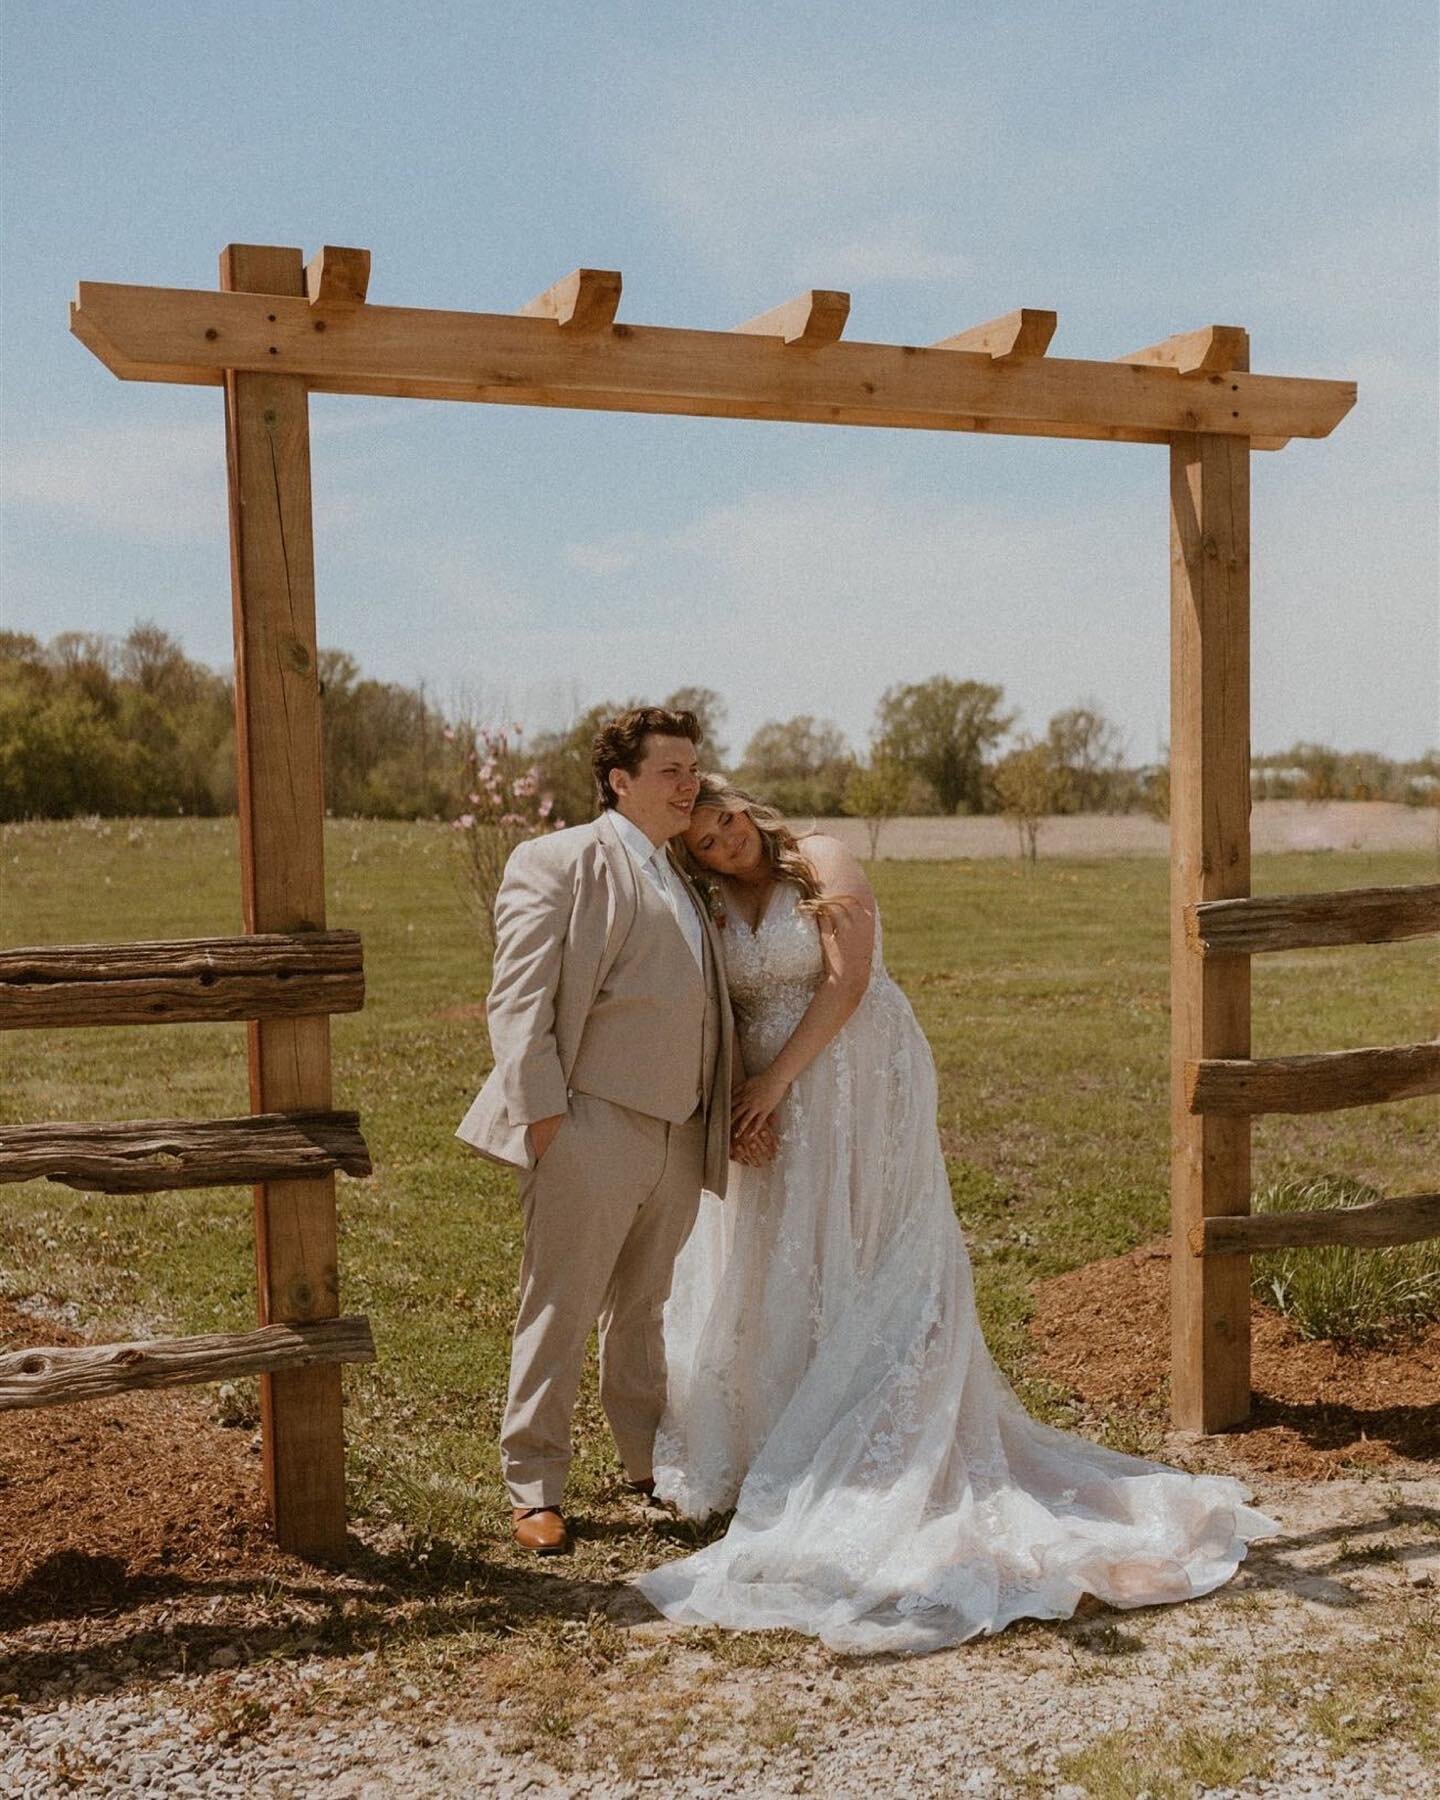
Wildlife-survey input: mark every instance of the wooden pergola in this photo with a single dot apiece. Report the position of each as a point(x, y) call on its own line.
point(278, 330)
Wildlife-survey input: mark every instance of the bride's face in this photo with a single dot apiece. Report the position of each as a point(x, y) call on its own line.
point(725, 842)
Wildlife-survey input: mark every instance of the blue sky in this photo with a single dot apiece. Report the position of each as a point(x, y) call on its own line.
point(1142, 168)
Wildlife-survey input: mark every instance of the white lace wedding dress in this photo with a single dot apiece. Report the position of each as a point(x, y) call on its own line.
point(828, 1378)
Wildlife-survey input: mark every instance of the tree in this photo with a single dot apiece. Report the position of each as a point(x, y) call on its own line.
point(941, 729)
point(799, 765)
point(711, 711)
point(1090, 748)
point(562, 758)
point(1030, 785)
point(877, 793)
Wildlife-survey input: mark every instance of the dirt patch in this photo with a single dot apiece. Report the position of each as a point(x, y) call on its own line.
point(1319, 1411)
point(118, 1497)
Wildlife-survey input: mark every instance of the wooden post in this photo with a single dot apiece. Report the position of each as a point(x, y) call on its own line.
point(281, 805)
point(1210, 860)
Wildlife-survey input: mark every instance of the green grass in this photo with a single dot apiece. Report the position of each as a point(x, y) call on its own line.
point(1359, 1297)
point(1044, 995)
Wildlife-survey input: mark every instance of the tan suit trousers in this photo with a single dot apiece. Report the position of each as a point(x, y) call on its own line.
point(606, 1211)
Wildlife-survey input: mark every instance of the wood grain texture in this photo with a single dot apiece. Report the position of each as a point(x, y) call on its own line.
point(1024, 332)
point(510, 359)
point(149, 1156)
point(1209, 860)
point(337, 276)
point(282, 815)
point(50, 1376)
point(1214, 349)
point(1328, 1082)
point(273, 975)
point(1375, 915)
point(584, 300)
point(1377, 1225)
point(815, 317)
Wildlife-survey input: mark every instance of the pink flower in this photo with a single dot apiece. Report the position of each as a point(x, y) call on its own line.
point(465, 821)
point(547, 806)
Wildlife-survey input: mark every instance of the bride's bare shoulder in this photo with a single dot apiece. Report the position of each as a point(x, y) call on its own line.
point(836, 866)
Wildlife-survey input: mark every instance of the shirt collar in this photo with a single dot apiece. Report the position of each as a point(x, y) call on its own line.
point(635, 840)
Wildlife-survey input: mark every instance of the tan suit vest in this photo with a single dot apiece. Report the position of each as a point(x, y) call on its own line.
point(654, 984)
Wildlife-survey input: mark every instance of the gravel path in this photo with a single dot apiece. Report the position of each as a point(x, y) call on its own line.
point(1303, 1677)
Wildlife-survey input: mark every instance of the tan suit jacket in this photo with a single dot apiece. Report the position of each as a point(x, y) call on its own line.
point(565, 906)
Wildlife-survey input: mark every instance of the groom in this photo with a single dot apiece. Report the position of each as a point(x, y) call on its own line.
point(611, 1093)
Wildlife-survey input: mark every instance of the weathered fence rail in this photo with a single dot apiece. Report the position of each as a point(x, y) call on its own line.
point(1326, 1082)
point(271, 975)
point(1377, 1225)
point(61, 1376)
point(1258, 923)
point(147, 1156)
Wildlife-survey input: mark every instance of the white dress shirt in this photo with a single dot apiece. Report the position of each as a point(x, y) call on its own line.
point(655, 864)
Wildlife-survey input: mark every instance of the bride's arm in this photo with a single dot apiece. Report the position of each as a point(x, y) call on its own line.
point(847, 941)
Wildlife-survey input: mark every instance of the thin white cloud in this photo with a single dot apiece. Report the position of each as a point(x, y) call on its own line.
point(164, 483)
point(607, 556)
point(815, 192)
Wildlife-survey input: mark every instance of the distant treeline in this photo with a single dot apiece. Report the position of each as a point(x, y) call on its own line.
point(94, 725)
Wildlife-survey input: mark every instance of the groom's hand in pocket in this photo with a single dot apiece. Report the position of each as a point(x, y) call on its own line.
point(542, 1134)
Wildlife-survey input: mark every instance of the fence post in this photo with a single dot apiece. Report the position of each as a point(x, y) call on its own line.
point(1210, 860)
point(281, 806)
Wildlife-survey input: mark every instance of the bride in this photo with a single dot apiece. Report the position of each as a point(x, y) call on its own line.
point(827, 1375)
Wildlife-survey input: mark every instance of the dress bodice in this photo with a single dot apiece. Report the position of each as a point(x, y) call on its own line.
point(773, 971)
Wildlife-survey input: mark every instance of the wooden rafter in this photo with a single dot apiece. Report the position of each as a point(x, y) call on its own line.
point(1025, 332)
point(195, 336)
point(813, 318)
point(337, 276)
point(584, 300)
point(1213, 350)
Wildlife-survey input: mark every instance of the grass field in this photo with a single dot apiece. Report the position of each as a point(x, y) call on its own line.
point(1044, 995)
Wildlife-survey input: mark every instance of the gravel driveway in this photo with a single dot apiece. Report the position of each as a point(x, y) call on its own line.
point(1307, 1675)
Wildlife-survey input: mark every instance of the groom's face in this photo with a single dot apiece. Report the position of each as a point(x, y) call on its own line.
point(659, 795)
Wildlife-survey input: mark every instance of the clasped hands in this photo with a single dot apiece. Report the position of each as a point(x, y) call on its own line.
point(753, 1133)
point(753, 1136)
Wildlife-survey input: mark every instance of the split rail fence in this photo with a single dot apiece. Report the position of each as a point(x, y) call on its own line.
point(1220, 1094)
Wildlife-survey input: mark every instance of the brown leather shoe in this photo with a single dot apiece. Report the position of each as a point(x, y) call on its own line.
point(541, 1529)
point(645, 1488)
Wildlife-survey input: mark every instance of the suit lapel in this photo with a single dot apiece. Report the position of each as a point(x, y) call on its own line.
point(623, 879)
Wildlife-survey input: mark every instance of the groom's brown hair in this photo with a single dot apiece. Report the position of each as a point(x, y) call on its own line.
point(620, 742)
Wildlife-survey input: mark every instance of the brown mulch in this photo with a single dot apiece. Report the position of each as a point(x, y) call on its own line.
point(104, 1499)
point(1318, 1411)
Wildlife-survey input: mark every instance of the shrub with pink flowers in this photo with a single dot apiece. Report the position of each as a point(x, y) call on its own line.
point(504, 805)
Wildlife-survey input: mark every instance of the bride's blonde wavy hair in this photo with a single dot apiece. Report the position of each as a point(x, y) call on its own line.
point(781, 848)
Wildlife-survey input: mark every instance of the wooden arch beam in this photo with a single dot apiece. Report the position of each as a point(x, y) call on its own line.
point(583, 300)
point(1025, 332)
point(813, 318)
point(171, 334)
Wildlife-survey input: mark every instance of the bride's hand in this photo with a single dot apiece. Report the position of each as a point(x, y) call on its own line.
point(758, 1148)
point(754, 1101)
